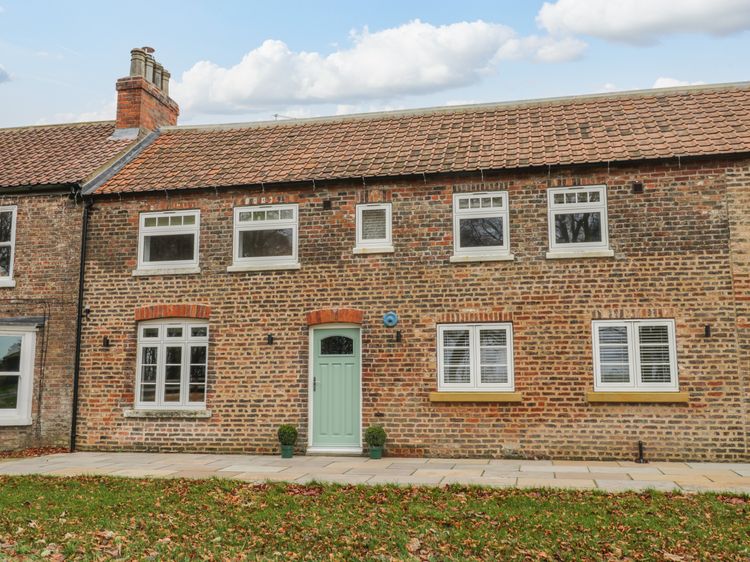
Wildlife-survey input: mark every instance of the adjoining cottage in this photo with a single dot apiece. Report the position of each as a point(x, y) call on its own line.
point(555, 278)
point(43, 171)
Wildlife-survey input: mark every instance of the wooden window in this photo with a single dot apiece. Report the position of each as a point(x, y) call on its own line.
point(7, 244)
point(172, 365)
point(577, 219)
point(475, 357)
point(17, 348)
point(265, 235)
point(480, 225)
point(635, 355)
point(374, 227)
point(169, 240)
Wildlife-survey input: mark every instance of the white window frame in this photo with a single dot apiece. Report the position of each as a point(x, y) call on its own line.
point(21, 415)
point(475, 385)
point(635, 384)
point(7, 280)
point(143, 231)
point(162, 342)
point(380, 245)
point(271, 262)
point(487, 252)
point(554, 209)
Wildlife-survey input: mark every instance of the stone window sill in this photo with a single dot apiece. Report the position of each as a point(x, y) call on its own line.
point(485, 257)
point(166, 414)
point(373, 250)
point(262, 267)
point(7, 282)
point(476, 397)
point(570, 255)
point(11, 422)
point(639, 397)
point(166, 271)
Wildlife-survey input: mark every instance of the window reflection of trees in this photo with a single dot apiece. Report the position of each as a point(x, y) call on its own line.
point(578, 227)
point(481, 232)
point(266, 243)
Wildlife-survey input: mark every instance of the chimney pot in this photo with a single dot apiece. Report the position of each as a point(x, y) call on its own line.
point(149, 68)
point(148, 50)
point(165, 76)
point(137, 62)
point(158, 69)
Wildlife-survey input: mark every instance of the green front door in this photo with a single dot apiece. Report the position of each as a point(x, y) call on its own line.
point(335, 388)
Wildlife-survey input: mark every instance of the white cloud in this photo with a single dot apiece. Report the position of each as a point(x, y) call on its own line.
point(643, 21)
point(608, 87)
point(4, 76)
point(666, 82)
point(105, 112)
point(414, 58)
point(542, 49)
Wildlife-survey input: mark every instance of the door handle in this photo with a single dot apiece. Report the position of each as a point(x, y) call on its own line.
point(315, 384)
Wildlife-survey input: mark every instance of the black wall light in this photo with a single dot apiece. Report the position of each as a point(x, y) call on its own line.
point(269, 339)
point(399, 337)
point(637, 186)
point(105, 342)
point(327, 205)
point(707, 330)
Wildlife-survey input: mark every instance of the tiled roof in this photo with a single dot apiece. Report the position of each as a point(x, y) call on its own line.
point(56, 154)
point(587, 129)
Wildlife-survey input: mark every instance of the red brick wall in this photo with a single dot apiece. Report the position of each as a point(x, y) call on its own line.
point(142, 105)
point(672, 260)
point(48, 234)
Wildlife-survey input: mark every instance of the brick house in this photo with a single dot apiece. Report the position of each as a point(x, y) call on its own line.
point(554, 278)
point(43, 172)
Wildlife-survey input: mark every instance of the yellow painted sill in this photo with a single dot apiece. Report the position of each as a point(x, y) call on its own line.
point(641, 397)
point(476, 397)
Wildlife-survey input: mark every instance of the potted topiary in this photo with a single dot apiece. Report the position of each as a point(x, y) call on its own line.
point(287, 438)
point(375, 438)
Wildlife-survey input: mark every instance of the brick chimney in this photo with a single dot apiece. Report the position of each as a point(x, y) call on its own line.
point(143, 101)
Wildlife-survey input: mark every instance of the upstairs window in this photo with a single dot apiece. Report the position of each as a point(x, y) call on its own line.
point(480, 225)
point(169, 240)
point(475, 357)
point(374, 228)
point(172, 365)
point(577, 219)
point(635, 355)
point(265, 236)
point(7, 244)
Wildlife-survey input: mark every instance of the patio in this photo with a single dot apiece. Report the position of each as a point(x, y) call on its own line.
point(611, 476)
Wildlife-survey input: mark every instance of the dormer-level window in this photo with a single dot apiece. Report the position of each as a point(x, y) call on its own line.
point(169, 240)
point(374, 228)
point(265, 237)
point(578, 222)
point(7, 245)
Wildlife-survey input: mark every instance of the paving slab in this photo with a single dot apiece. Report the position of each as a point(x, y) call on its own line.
point(635, 485)
point(479, 481)
point(555, 483)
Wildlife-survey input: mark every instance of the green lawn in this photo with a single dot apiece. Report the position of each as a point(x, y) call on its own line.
point(100, 517)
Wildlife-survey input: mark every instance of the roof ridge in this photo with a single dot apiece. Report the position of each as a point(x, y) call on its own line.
point(468, 108)
point(56, 125)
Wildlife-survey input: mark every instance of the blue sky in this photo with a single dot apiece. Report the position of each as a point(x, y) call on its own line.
point(242, 61)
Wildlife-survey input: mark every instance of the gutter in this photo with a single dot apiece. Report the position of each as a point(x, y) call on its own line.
point(87, 204)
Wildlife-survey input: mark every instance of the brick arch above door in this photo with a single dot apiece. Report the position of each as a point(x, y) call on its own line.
point(155, 311)
point(334, 316)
